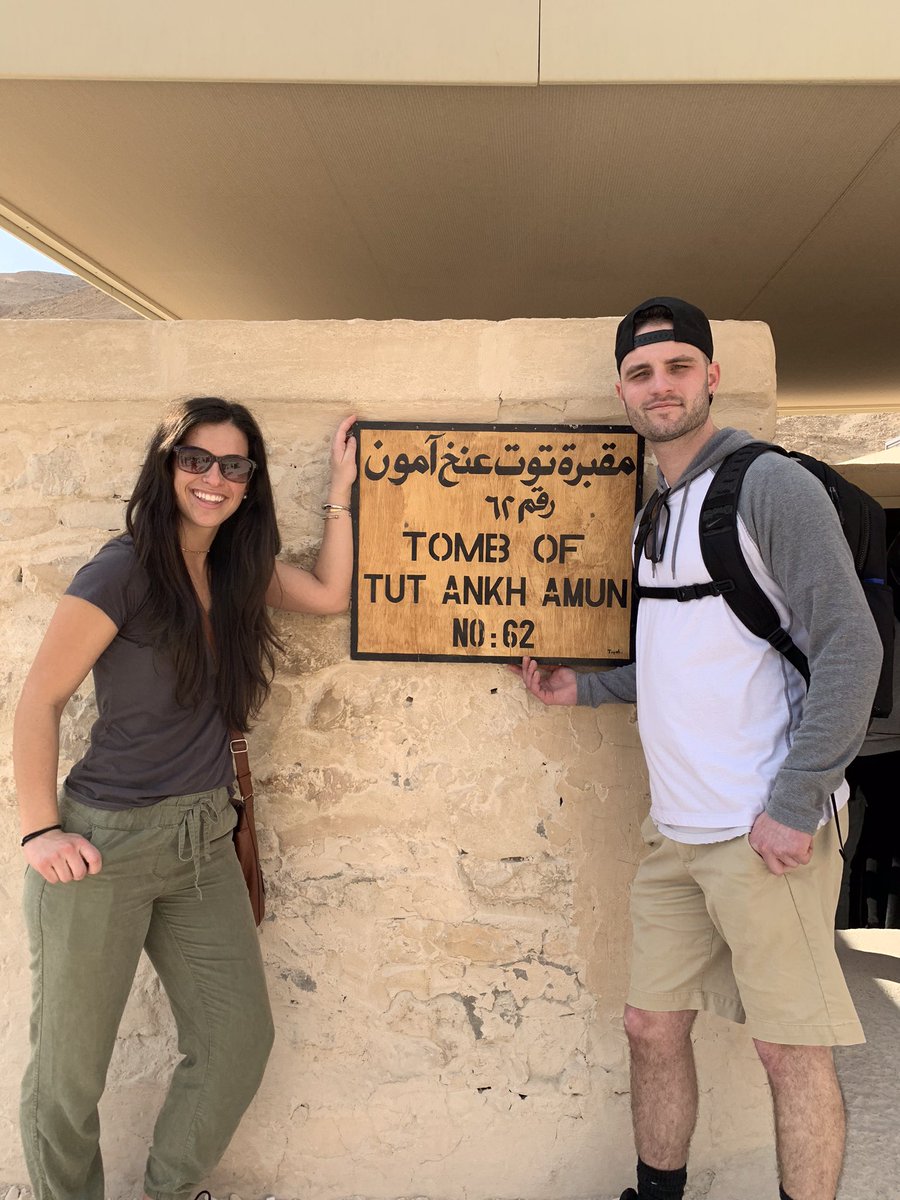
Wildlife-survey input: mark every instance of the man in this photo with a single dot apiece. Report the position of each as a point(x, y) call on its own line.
point(733, 907)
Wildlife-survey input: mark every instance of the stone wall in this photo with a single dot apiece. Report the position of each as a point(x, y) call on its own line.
point(448, 862)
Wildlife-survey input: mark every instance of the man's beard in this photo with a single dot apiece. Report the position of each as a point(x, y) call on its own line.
point(692, 417)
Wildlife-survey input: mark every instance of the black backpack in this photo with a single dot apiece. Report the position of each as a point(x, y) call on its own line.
point(863, 523)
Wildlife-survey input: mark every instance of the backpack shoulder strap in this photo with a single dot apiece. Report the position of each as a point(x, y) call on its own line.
point(724, 559)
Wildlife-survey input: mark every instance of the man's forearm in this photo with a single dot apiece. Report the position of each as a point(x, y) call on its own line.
point(793, 523)
point(618, 686)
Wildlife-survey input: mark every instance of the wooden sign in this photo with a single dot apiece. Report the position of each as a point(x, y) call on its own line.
point(494, 541)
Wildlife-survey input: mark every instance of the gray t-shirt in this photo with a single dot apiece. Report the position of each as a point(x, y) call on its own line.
point(144, 745)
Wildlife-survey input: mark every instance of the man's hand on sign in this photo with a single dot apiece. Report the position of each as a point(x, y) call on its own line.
point(780, 847)
point(557, 685)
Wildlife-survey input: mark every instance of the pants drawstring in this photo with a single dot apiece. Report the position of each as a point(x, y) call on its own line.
point(193, 836)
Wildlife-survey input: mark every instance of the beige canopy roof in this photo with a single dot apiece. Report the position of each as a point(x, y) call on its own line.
point(308, 160)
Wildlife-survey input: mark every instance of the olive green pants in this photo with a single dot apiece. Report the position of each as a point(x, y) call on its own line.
point(170, 884)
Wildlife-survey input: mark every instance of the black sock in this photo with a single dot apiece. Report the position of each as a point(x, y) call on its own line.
point(782, 1193)
point(654, 1184)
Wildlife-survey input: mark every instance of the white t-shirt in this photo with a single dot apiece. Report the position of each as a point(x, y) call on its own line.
point(717, 707)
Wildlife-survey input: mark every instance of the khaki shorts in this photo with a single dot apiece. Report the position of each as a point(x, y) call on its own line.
point(714, 929)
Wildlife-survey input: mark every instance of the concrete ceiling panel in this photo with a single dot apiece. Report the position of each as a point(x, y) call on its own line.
point(320, 41)
point(838, 292)
point(759, 41)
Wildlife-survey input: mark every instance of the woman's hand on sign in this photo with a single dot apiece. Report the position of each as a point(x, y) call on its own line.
point(62, 857)
point(555, 685)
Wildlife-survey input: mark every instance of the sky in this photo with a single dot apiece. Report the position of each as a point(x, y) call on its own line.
point(19, 256)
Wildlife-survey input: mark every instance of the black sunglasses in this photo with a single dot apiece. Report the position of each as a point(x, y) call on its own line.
point(657, 518)
point(234, 467)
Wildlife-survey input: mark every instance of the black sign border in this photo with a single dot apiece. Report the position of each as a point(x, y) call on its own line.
point(495, 427)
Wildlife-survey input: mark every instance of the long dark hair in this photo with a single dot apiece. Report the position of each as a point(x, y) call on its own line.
point(240, 561)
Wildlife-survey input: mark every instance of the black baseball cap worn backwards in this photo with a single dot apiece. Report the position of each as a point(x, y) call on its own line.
point(689, 325)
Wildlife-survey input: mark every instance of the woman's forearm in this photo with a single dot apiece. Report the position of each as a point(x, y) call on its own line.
point(333, 567)
point(36, 761)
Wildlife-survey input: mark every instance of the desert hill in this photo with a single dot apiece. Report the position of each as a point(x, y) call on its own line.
point(48, 295)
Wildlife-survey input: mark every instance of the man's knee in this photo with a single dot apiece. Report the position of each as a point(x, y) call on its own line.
point(660, 1030)
point(789, 1062)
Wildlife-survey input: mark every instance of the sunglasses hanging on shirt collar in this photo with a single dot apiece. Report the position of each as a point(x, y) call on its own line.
point(655, 520)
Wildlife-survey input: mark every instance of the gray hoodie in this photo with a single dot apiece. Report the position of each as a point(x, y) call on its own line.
point(796, 530)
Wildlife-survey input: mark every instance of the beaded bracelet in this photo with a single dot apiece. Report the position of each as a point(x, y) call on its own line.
point(37, 833)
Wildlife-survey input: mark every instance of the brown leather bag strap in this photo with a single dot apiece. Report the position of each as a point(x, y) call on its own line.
point(238, 744)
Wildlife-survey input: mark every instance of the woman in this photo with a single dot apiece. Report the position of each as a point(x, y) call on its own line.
point(172, 619)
